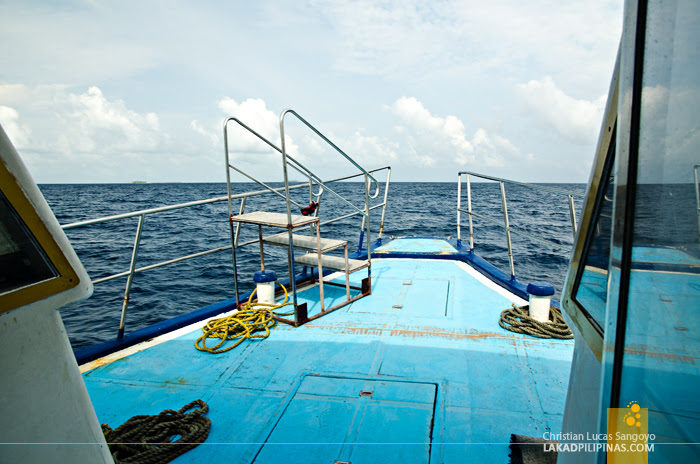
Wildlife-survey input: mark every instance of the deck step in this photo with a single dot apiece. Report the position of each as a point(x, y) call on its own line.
point(304, 242)
point(265, 218)
point(334, 263)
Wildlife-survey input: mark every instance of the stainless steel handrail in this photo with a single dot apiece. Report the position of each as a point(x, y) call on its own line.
point(296, 164)
point(506, 224)
point(141, 214)
point(328, 141)
point(365, 213)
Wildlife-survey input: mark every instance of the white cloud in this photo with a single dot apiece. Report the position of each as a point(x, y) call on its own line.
point(85, 136)
point(389, 38)
point(17, 132)
point(253, 112)
point(206, 132)
point(577, 120)
point(98, 125)
point(78, 124)
point(412, 38)
point(370, 151)
point(433, 139)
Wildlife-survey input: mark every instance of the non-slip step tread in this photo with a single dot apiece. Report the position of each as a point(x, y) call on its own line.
point(304, 242)
point(334, 263)
point(273, 219)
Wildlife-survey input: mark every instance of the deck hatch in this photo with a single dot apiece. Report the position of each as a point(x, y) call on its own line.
point(414, 297)
point(327, 421)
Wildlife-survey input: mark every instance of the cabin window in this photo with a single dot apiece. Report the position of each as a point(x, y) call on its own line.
point(591, 286)
point(22, 261)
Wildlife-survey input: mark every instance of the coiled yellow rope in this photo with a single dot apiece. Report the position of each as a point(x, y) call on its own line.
point(244, 324)
point(517, 319)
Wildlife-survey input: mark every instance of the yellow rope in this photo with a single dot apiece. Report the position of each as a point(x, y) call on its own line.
point(244, 324)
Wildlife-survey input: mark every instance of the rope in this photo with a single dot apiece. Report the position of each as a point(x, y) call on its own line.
point(149, 439)
point(518, 320)
point(242, 325)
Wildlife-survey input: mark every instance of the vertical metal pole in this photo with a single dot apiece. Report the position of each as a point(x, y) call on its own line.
point(572, 212)
point(386, 196)
point(311, 199)
point(505, 217)
point(347, 273)
point(130, 279)
point(290, 247)
point(238, 224)
point(459, 205)
point(260, 242)
point(369, 239)
point(320, 264)
point(234, 235)
point(469, 208)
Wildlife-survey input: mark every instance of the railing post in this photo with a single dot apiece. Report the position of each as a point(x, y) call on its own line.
point(130, 279)
point(505, 217)
point(238, 224)
point(459, 206)
point(469, 208)
point(386, 196)
point(290, 246)
point(369, 239)
point(234, 235)
point(572, 212)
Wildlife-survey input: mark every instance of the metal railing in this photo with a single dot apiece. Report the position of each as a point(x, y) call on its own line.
point(141, 214)
point(504, 204)
point(288, 160)
point(367, 176)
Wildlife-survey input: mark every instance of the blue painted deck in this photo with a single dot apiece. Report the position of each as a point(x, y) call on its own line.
point(446, 380)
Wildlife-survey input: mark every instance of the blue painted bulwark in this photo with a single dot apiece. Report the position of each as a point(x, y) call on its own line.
point(99, 350)
point(380, 249)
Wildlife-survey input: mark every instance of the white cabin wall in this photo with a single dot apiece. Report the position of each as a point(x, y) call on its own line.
point(581, 411)
point(43, 396)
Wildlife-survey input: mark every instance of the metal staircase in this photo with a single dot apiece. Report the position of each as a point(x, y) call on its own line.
point(313, 245)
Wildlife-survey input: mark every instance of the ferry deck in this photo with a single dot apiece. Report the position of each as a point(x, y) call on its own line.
point(419, 371)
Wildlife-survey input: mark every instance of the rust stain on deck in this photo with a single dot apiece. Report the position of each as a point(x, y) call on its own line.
point(431, 332)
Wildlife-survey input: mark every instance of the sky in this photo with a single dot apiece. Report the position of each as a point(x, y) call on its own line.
point(98, 91)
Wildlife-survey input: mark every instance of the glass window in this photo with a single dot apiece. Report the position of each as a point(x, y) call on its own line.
point(591, 286)
point(662, 331)
point(22, 261)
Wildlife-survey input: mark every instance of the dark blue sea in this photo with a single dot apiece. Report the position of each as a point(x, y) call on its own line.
point(413, 209)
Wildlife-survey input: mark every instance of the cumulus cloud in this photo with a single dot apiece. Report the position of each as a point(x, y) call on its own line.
point(98, 125)
point(253, 112)
point(369, 150)
point(61, 132)
point(73, 124)
point(17, 132)
point(574, 119)
point(432, 139)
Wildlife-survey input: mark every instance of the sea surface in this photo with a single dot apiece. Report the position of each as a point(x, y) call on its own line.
point(413, 209)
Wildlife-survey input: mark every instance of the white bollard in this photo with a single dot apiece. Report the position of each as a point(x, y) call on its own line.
point(265, 281)
point(540, 300)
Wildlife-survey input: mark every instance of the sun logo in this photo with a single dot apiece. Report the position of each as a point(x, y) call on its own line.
point(633, 416)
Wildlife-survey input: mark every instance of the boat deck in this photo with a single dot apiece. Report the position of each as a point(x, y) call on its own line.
point(418, 372)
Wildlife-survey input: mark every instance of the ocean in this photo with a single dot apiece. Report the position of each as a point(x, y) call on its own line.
point(413, 209)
